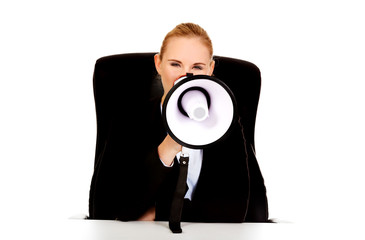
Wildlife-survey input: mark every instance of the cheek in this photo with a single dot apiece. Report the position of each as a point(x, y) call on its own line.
point(204, 72)
point(168, 78)
point(167, 81)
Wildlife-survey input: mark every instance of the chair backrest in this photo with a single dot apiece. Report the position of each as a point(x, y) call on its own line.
point(124, 83)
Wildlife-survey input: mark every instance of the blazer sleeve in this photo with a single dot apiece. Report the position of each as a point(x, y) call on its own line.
point(128, 171)
point(125, 187)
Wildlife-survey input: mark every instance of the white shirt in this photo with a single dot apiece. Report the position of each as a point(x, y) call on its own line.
point(194, 167)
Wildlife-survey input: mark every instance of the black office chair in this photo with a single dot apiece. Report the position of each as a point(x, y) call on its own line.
point(123, 85)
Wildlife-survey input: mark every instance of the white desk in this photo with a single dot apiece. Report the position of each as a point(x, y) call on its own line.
point(115, 230)
point(51, 229)
point(48, 229)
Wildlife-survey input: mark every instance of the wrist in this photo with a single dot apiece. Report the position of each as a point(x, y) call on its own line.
point(167, 150)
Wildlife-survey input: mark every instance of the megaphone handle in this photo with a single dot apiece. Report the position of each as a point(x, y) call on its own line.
point(178, 200)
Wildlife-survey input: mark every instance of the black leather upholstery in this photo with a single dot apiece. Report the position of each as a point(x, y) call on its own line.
point(120, 80)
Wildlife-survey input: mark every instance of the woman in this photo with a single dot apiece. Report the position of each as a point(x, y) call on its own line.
point(224, 181)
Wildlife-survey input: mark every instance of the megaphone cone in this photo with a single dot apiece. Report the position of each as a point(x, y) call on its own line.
point(194, 103)
point(199, 111)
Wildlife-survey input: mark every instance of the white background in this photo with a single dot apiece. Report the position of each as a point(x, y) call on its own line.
point(309, 132)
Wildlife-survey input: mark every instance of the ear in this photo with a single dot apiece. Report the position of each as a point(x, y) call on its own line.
point(212, 65)
point(157, 62)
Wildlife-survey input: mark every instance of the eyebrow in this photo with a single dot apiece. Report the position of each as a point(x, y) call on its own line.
point(174, 60)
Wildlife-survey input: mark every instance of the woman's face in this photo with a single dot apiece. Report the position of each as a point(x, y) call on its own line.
point(183, 55)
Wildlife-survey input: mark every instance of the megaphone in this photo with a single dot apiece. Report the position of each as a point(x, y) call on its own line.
point(198, 111)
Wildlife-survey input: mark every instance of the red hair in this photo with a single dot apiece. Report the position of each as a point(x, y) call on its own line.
point(188, 30)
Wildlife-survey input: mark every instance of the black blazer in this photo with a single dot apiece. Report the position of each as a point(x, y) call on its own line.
point(129, 177)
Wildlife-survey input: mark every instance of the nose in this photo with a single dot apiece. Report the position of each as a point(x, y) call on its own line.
point(187, 70)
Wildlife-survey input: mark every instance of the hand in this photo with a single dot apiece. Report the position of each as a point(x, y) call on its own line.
point(168, 150)
point(150, 215)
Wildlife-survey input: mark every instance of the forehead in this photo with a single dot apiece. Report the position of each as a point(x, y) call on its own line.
point(187, 49)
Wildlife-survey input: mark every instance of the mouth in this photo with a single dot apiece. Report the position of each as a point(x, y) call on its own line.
point(185, 75)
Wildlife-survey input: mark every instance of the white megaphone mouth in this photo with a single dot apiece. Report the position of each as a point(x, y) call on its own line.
point(198, 110)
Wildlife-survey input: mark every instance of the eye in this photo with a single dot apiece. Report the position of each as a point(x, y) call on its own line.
point(174, 64)
point(198, 67)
